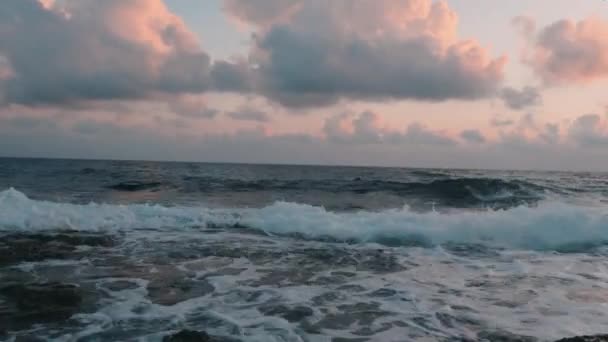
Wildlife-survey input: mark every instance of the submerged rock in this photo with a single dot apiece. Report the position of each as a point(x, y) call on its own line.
point(120, 285)
point(29, 304)
point(294, 314)
point(172, 290)
point(133, 186)
point(188, 336)
point(25, 247)
point(196, 336)
point(593, 338)
point(504, 336)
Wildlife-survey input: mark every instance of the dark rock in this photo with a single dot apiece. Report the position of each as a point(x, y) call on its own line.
point(196, 336)
point(298, 313)
point(504, 336)
point(20, 247)
point(363, 314)
point(134, 186)
point(381, 263)
point(327, 297)
point(383, 293)
point(120, 285)
point(354, 288)
point(343, 274)
point(25, 305)
point(28, 339)
point(589, 338)
point(188, 336)
point(170, 291)
point(471, 250)
point(294, 314)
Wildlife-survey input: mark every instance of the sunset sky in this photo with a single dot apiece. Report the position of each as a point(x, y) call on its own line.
point(515, 84)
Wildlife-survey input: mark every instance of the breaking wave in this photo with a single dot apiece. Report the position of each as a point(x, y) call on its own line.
point(547, 226)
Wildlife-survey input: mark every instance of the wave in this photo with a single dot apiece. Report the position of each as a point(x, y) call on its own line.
point(132, 186)
point(459, 192)
point(548, 226)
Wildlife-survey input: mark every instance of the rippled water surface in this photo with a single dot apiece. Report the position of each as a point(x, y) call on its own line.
point(119, 251)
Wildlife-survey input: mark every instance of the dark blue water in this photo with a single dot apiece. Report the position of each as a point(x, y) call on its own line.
point(335, 188)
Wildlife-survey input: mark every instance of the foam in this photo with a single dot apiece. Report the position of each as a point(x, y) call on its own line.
point(549, 225)
point(17, 211)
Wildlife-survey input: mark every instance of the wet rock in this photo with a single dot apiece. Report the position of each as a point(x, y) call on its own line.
point(284, 277)
point(327, 297)
point(382, 293)
point(298, 313)
point(228, 271)
point(471, 250)
point(188, 336)
point(504, 336)
point(196, 336)
point(170, 291)
point(381, 263)
point(363, 314)
point(28, 339)
point(343, 274)
point(370, 331)
point(120, 285)
point(353, 288)
point(328, 280)
point(589, 338)
point(294, 314)
point(21, 247)
point(134, 186)
point(25, 305)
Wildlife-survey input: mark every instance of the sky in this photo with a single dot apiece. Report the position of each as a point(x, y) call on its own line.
point(416, 83)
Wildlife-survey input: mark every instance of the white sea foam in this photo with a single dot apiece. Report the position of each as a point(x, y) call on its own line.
point(546, 226)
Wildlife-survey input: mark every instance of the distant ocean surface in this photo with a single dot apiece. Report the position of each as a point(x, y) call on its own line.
point(300, 253)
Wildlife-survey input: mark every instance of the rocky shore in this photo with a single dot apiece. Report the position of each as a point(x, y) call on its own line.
point(40, 285)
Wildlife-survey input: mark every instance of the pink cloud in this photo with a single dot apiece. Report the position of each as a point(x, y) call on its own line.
point(314, 52)
point(568, 51)
point(70, 51)
point(368, 128)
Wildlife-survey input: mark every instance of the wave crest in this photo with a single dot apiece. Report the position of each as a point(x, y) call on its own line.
point(548, 226)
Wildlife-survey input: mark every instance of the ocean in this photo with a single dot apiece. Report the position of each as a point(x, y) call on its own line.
point(135, 251)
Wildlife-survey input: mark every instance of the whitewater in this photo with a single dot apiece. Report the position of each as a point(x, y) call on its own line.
point(547, 226)
point(133, 251)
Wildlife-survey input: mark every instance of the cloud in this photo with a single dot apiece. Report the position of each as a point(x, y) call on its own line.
point(73, 51)
point(550, 133)
point(88, 127)
point(192, 107)
point(567, 51)
point(529, 133)
point(418, 134)
point(589, 130)
point(525, 24)
point(472, 136)
point(350, 128)
point(28, 122)
point(581, 144)
point(247, 113)
point(520, 99)
point(367, 128)
point(315, 53)
point(304, 53)
point(497, 122)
